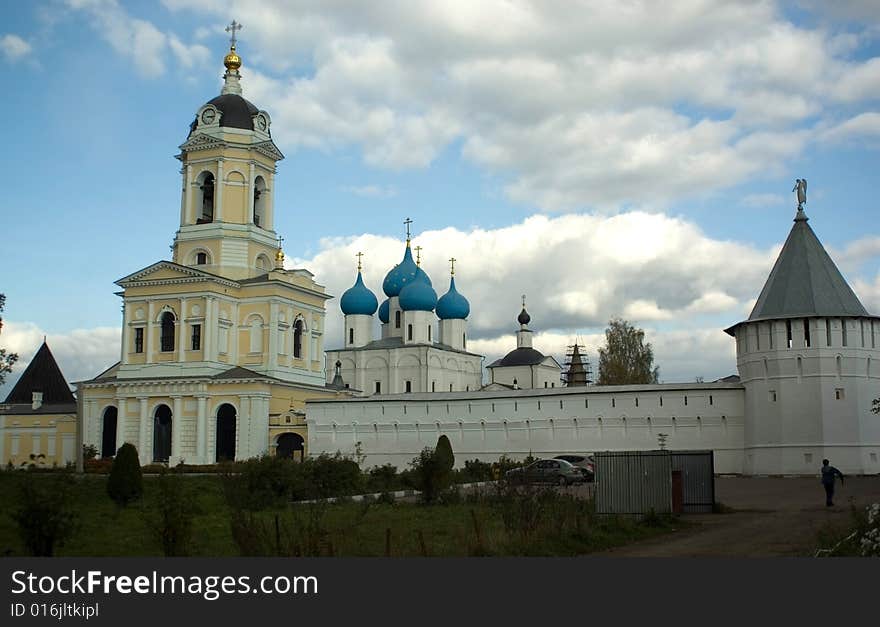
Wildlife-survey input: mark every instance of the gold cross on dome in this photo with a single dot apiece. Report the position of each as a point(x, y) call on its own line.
point(418, 250)
point(452, 261)
point(407, 222)
point(232, 28)
point(359, 255)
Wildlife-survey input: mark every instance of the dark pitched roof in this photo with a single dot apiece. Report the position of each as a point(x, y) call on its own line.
point(805, 282)
point(240, 373)
point(42, 375)
point(520, 357)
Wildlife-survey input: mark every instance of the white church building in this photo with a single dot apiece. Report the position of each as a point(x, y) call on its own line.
point(807, 358)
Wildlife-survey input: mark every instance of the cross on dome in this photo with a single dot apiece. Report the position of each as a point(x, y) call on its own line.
point(232, 28)
point(359, 256)
point(452, 261)
point(407, 222)
point(418, 250)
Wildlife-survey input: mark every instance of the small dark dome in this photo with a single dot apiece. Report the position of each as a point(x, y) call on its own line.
point(522, 357)
point(524, 317)
point(235, 111)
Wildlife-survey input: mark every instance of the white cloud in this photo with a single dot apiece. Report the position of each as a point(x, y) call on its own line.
point(81, 353)
point(764, 200)
point(372, 191)
point(864, 127)
point(139, 40)
point(647, 267)
point(14, 47)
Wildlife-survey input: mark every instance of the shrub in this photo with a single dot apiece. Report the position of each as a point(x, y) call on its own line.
point(382, 478)
point(171, 519)
point(260, 483)
point(90, 452)
point(125, 483)
point(475, 471)
point(45, 518)
point(432, 470)
point(332, 476)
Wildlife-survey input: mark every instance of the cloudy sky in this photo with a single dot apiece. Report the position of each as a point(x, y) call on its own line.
point(606, 159)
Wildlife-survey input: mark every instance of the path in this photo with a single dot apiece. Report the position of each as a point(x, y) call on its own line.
point(774, 517)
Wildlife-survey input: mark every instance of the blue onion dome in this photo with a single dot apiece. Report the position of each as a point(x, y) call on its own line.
point(452, 305)
point(418, 296)
point(384, 313)
point(358, 300)
point(401, 275)
point(423, 276)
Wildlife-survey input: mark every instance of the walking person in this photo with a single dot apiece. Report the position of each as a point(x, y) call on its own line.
point(828, 474)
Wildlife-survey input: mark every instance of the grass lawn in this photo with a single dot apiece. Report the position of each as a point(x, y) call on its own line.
point(558, 527)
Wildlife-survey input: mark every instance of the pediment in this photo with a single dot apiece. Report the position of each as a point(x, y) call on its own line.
point(202, 142)
point(269, 149)
point(168, 272)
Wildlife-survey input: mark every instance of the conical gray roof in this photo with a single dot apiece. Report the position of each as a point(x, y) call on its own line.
point(805, 282)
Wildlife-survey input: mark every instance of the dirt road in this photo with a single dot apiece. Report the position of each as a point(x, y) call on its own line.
point(773, 516)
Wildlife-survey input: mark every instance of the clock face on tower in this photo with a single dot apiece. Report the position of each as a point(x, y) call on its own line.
point(261, 122)
point(208, 116)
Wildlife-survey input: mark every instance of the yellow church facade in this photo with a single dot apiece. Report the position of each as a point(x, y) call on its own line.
point(221, 345)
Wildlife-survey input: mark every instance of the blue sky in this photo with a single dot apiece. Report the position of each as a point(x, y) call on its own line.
point(636, 164)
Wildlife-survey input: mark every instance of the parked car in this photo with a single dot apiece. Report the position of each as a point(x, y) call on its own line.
point(556, 471)
point(586, 464)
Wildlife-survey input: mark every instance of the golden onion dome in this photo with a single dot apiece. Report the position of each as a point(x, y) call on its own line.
point(279, 259)
point(232, 61)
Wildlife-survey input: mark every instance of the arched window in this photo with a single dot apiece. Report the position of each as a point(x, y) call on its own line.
point(224, 443)
point(167, 331)
point(396, 319)
point(206, 185)
point(259, 201)
point(162, 426)
point(297, 339)
point(108, 433)
point(201, 259)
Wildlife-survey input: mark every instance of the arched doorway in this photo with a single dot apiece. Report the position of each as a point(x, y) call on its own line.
point(162, 434)
point(291, 446)
point(108, 433)
point(225, 440)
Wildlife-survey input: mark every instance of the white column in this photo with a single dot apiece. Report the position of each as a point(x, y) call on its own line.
point(181, 348)
point(145, 448)
point(208, 348)
point(273, 335)
point(150, 314)
point(250, 217)
point(202, 431)
point(126, 332)
point(270, 204)
point(91, 428)
point(188, 193)
point(214, 331)
point(176, 424)
point(233, 341)
point(120, 422)
point(218, 193)
point(242, 428)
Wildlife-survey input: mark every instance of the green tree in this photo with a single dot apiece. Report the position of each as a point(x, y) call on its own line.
point(45, 516)
point(126, 483)
point(7, 359)
point(626, 357)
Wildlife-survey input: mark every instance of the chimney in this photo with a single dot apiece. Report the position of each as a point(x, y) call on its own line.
point(37, 400)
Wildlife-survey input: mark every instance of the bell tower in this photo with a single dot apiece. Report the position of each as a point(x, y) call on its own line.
point(228, 173)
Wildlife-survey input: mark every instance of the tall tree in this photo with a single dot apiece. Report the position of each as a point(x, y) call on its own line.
point(626, 357)
point(6, 358)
